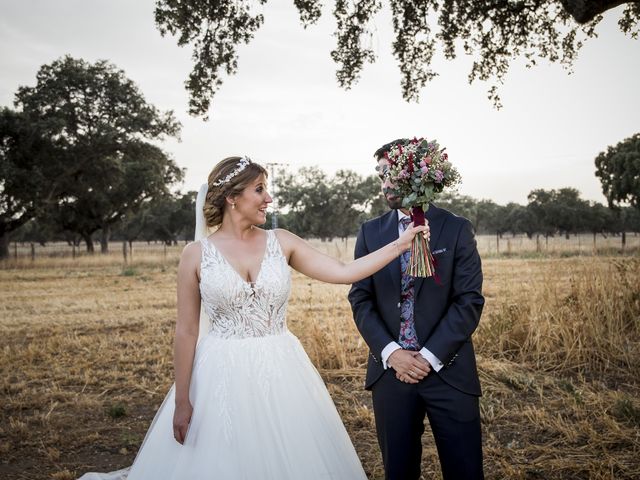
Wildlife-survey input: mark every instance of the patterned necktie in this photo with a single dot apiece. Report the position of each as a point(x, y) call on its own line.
point(408, 338)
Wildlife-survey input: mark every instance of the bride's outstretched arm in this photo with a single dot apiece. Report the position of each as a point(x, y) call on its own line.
point(309, 261)
point(187, 327)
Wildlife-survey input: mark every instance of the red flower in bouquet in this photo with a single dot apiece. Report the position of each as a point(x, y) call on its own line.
point(419, 170)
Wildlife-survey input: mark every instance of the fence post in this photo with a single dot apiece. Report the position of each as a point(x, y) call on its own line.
point(124, 251)
point(73, 249)
point(33, 252)
point(497, 243)
point(164, 253)
point(15, 251)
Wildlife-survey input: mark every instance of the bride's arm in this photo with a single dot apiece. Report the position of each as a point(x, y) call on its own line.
point(187, 327)
point(309, 261)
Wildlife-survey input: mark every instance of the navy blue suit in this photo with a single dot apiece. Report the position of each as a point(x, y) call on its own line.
point(446, 312)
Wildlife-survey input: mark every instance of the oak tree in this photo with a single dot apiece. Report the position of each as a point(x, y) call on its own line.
point(103, 138)
point(493, 33)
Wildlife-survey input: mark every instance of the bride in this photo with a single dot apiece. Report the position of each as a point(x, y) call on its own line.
point(247, 403)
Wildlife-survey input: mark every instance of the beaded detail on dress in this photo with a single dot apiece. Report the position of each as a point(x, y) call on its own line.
point(240, 309)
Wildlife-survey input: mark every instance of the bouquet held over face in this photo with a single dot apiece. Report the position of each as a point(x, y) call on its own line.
point(419, 170)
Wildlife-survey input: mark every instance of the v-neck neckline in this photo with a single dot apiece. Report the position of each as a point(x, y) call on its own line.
point(224, 259)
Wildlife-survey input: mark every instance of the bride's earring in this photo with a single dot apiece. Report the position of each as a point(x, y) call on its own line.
point(233, 205)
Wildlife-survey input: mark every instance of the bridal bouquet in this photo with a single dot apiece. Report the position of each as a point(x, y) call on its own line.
point(419, 170)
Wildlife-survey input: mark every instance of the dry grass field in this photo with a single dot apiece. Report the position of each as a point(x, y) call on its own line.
point(87, 344)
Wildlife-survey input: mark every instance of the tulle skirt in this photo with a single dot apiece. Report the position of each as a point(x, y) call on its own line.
point(260, 411)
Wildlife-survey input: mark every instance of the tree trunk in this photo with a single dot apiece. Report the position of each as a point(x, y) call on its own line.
point(104, 239)
point(624, 240)
point(4, 246)
point(89, 241)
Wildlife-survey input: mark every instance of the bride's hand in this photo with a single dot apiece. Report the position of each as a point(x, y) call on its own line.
point(181, 419)
point(404, 241)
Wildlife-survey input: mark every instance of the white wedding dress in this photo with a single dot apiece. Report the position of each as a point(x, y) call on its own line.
point(260, 409)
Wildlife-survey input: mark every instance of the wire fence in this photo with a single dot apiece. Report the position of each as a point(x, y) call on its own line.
point(161, 253)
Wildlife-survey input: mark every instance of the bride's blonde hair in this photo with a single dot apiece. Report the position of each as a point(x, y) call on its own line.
point(221, 185)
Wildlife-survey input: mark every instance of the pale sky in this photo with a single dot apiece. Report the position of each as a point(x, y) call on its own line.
point(284, 105)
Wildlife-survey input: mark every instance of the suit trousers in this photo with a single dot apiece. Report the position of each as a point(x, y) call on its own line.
point(454, 417)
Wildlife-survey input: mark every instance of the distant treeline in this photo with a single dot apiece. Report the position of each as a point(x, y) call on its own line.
point(323, 207)
point(81, 161)
point(313, 204)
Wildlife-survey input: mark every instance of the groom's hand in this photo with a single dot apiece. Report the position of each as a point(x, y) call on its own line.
point(410, 366)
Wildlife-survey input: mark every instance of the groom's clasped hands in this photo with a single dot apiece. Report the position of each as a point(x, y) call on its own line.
point(410, 366)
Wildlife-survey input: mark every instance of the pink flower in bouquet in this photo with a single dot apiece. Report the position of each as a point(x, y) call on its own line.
point(419, 171)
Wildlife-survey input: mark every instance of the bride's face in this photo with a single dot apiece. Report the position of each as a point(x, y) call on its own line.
point(252, 203)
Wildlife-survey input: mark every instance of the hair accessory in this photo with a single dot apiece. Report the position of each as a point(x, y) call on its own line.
point(242, 164)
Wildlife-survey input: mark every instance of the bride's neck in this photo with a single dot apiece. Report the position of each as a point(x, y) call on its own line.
point(236, 229)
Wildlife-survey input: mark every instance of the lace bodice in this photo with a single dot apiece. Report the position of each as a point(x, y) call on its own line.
point(237, 308)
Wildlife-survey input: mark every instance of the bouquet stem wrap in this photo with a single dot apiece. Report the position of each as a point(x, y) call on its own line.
point(421, 262)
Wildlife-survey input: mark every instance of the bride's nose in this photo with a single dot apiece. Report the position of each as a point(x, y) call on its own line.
point(268, 199)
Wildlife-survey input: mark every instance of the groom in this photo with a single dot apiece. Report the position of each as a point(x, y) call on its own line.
point(418, 330)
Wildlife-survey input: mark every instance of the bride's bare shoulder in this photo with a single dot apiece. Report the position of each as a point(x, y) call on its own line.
point(191, 252)
point(285, 233)
point(287, 240)
point(285, 237)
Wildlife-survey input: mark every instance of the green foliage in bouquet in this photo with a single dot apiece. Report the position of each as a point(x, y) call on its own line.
point(419, 170)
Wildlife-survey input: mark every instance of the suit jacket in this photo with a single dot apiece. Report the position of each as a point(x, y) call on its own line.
point(447, 308)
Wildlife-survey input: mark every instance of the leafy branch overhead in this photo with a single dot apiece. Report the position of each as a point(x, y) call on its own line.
point(492, 32)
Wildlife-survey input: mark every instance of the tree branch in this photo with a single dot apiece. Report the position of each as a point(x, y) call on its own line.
point(583, 11)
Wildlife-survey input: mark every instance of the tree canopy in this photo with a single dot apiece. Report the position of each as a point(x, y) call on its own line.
point(619, 171)
point(492, 32)
point(326, 207)
point(101, 161)
point(28, 173)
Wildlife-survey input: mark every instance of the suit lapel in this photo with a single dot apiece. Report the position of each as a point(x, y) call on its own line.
point(436, 223)
point(389, 233)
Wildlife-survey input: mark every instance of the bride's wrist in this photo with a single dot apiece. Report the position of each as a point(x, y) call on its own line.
point(398, 248)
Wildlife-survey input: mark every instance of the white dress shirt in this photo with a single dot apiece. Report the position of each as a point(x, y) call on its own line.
point(391, 347)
